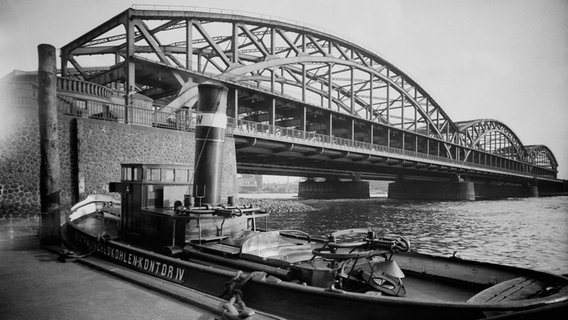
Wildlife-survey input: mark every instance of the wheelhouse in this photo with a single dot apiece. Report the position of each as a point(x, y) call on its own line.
point(158, 209)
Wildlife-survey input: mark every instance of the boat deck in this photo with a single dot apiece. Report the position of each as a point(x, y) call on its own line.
point(417, 287)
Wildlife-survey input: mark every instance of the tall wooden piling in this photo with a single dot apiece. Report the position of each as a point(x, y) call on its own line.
point(50, 222)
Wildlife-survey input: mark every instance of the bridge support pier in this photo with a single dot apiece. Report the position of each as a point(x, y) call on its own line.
point(459, 190)
point(333, 188)
point(499, 191)
point(552, 188)
point(432, 190)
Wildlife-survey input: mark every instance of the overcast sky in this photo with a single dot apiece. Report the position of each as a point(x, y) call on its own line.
point(495, 59)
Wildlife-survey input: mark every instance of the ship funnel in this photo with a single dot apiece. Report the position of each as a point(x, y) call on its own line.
point(211, 122)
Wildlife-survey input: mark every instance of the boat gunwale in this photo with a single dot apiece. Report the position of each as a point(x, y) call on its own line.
point(516, 305)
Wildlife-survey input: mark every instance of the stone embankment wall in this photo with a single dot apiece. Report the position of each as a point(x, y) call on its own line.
point(102, 146)
point(19, 160)
point(277, 205)
point(91, 152)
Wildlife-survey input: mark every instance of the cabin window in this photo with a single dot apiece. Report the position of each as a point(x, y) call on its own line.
point(127, 173)
point(167, 174)
point(136, 174)
point(182, 175)
point(152, 197)
point(155, 174)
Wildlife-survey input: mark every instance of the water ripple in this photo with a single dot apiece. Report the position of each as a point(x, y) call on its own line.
point(530, 233)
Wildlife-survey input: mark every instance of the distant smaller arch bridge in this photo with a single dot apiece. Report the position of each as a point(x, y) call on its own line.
point(541, 156)
point(492, 136)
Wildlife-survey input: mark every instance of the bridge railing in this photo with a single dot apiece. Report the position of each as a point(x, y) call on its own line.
point(256, 129)
point(92, 109)
point(83, 87)
point(261, 130)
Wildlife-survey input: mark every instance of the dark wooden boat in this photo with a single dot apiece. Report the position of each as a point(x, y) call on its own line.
point(351, 274)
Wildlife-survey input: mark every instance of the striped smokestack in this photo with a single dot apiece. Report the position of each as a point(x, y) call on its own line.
point(211, 122)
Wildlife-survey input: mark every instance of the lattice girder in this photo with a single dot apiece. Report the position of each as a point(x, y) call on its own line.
point(492, 136)
point(164, 54)
point(336, 72)
point(542, 156)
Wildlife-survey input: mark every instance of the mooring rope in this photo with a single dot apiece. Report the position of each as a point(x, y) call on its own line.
point(67, 255)
point(236, 308)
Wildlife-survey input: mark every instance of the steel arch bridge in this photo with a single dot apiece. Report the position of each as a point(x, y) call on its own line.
point(164, 52)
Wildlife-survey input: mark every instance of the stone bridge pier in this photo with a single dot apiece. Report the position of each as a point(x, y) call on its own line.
point(459, 189)
point(334, 188)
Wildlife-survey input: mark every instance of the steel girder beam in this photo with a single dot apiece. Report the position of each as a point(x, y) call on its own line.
point(272, 40)
point(67, 51)
point(270, 157)
point(234, 47)
point(242, 73)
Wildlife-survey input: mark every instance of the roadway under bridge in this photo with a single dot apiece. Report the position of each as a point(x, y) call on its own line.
point(301, 102)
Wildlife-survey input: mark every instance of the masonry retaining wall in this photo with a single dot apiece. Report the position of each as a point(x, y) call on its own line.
point(91, 152)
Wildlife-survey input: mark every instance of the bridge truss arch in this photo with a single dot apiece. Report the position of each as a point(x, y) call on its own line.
point(542, 156)
point(288, 59)
point(492, 136)
point(164, 52)
point(495, 137)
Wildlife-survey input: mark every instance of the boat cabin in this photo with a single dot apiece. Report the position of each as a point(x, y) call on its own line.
point(158, 209)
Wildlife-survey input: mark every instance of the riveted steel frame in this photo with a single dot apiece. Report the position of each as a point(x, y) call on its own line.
point(541, 156)
point(284, 59)
point(343, 75)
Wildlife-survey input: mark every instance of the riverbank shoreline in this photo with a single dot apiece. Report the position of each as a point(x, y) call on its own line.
point(287, 202)
point(278, 205)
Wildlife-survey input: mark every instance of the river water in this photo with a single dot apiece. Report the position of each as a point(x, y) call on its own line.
point(529, 232)
point(524, 232)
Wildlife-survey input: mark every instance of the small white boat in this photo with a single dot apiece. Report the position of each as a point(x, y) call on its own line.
point(104, 204)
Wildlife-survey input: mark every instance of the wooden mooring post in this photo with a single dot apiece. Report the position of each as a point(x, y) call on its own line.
point(50, 222)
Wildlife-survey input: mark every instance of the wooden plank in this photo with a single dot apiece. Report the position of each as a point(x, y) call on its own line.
point(220, 248)
point(513, 289)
